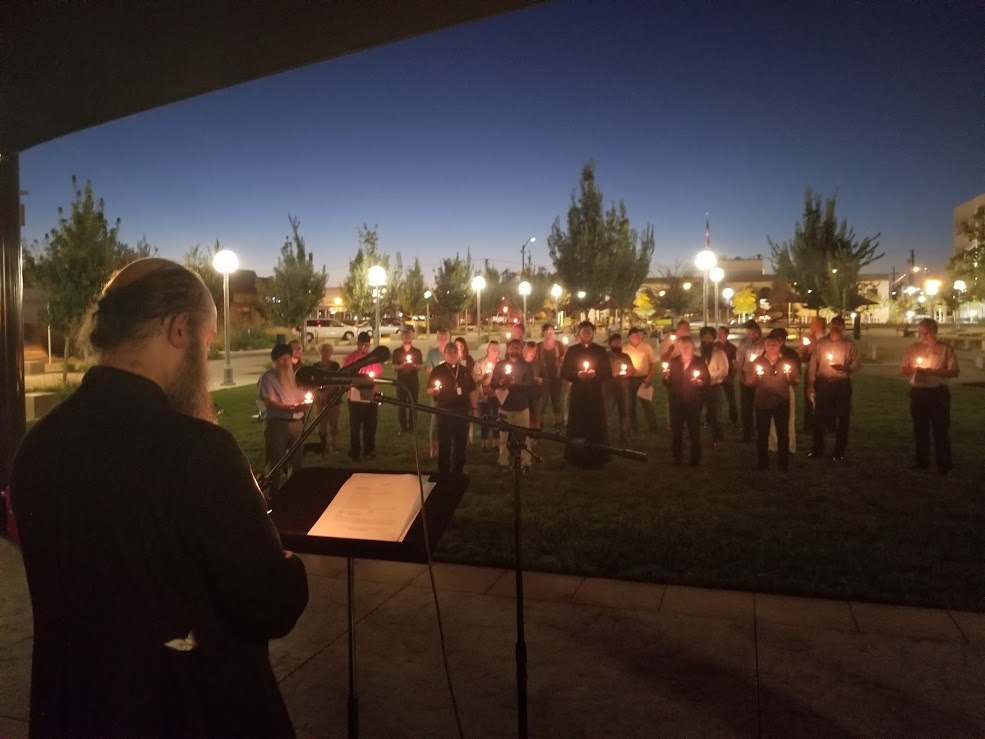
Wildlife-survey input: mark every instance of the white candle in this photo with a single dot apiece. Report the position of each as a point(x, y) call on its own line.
point(752, 356)
point(437, 384)
point(509, 369)
point(665, 365)
point(831, 358)
point(806, 341)
point(309, 398)
point(564, 340)
point(697, 374)
point(786, 368)
point(586, 365)
point(488, 367)
point(919, 360)
point(407, 359)
point(673, 337)
point(372, 374)
point(759, 370)
point(622, 369)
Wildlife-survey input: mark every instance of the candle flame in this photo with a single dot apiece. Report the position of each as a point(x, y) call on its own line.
point(919, 360)
point(585, 365)
point(488, 366)
point(697, 374)
point(308, 397)
point(509, 369)
point(786, 368)
point(759, 370)
point(437, 384)
point(666, 365)
point(372, 374)
point(806, 341)
point(752, 356)
point(407, 359)
point(831, 357)
point(622, 369)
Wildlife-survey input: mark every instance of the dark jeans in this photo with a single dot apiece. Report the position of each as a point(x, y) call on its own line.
point(713, 411)
point(728, 387)
point(488, 408)
point(685, 414)
point(452, 436)
point(780, 416)
point(278, 436)
point(362, 429)
point(617, 400)
point(833, 406)
point(407, 390)
point(553, 394)
point(930, 408)
point(747, 394)
point(635, 383)
point(808, 410)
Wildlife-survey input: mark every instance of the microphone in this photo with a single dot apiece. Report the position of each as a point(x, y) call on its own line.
point(314, 377)
point(380, 355)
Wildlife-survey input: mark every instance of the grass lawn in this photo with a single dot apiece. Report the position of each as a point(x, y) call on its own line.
point(868, 529)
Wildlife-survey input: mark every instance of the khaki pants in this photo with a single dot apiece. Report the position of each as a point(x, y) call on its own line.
point(517, 418)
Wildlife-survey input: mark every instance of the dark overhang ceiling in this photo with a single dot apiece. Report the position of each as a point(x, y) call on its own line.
point(70, 64)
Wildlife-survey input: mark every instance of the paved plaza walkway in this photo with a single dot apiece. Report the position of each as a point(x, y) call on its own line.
point(606, 659)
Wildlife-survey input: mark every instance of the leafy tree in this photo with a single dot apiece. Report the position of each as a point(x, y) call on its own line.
point(296, 287)
point(411, 292)
point(452, 289)
point(76, 259)
point(356, 290)
point(969, 264)
point(631, 263)
point(744, 302)
point(199, 260)
point(643, 305)
point(823, 259)
point(676, 299)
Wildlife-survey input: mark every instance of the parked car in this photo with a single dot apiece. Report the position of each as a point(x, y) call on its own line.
point(320, 329)
point(392, 328)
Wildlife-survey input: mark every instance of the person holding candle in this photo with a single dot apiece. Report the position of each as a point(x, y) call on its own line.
point(537, 388)
point(363, 409)
point(774, 375)
point(452, 388)
point(687, 379)
point(587, 368)
point(808, 342)
point(617, 390)
point(435, 356)
point(728, 384)
point(644, 365)
point(329, 421)
point(668, 347)
point(718, 366)
point(790, 356)
point(511, 380)
point(283, 419)
point(930, 365)
point(833, 363)
point(488, 402)
point(551, 352)
point(407, 361)
point(156, 576)
point(745, 354)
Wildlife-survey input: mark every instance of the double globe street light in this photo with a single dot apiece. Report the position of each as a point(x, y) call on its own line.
point(226, 262)
point(704, 261)
point(377, 280)
point(478, 284)
point(717, 274)
point(427, 311)
point(524, 291)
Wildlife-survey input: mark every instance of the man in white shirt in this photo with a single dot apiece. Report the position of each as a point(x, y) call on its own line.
point(644, 364)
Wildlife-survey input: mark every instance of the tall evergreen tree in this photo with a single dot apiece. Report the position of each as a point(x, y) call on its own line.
point(452, 289)
point(76, 259)
point(823, 260)
point(411, 291)
point(297, 287)
point(356, 290)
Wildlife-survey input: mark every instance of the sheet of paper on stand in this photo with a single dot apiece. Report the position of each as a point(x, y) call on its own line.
point(374, 507)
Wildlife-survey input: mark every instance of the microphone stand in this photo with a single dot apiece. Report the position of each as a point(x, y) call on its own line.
point(517, 444)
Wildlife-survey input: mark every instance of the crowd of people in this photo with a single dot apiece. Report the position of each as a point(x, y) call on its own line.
point(600, 396)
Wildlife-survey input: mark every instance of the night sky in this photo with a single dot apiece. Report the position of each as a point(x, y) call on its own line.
point(474, 137)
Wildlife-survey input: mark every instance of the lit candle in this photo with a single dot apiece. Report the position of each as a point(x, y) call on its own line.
point(622, 369)
point(509, 369)
point(407, 359)
point(786, 368)
point(586, 365)
point(806, 341)
point(919, 360)
point(673, 337)
point(665, 365)
point(759, 370)
point(697, 374)
point(831, 358)
point(437, 384)
point(372, 374)
point(488, 367)
point(564, 340)
point(752, 356)
point(309, 398)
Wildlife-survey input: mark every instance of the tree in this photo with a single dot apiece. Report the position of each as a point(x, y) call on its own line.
point(969, 264)
point(411, 292)
point(676, 298)
point(296, 287)
point(76, 259)
point(744, 302)
point(356, 289)
point(452, 289)
point(199, 260)
point(823, 259)
point(631, 263)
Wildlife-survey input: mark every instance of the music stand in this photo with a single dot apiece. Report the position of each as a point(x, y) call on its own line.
point(306, 495)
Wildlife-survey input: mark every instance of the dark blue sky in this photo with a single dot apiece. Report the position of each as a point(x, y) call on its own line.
point(473, 138)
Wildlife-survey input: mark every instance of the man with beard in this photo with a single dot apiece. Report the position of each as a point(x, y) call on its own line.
point(617, 389)
point(745, 354)
point(586, 366)
point(452, 388)
point(644, 364)
point(363, 409)
point(156, 577)
point(717, 363)
point(283, 420)
point(687, 379)
point(511, 380)
point(774, 375)
point(830, 372)
point(407, 361)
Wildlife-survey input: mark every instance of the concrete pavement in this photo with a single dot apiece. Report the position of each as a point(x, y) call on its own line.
point(606, 659)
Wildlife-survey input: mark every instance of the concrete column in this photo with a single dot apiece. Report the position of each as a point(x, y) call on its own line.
point(12, 423)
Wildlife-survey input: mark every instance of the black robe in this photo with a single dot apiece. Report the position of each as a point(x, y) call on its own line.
point(140, 525)
point(586, 404)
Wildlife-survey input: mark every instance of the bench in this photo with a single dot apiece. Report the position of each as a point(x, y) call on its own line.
point(38, 404)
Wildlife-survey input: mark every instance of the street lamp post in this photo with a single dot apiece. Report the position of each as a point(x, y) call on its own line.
point(226, 262)
point(556, 294)
point(523, 255)
point(704, 261)
point(727, 293)
point(524, 291)
point(427, 311)
point(959, 287)
point(377, 279)
point(478, 283)
point(932, 288)
point(717, 274)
